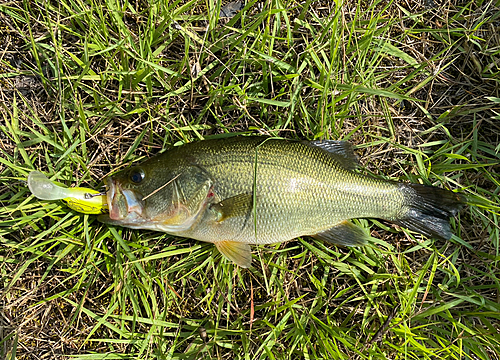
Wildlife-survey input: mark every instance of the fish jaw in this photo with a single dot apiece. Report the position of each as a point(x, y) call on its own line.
point(126, 208)
point(124, 205)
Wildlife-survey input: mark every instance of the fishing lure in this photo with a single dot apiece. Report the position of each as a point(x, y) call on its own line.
point(83, 200)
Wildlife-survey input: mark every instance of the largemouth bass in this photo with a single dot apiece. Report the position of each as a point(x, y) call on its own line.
point(255, 190)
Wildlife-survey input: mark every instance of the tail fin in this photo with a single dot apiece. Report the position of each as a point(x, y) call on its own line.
point(428, 210)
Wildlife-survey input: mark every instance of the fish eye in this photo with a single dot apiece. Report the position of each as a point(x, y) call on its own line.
point(137, 175)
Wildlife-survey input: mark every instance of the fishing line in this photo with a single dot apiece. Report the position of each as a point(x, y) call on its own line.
point(90, 196)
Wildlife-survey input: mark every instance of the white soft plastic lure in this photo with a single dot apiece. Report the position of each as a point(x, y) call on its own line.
point(87, 201)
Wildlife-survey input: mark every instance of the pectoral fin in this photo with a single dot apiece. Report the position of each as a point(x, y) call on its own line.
point(345, 234)
point(237, 252)
point(239, 205)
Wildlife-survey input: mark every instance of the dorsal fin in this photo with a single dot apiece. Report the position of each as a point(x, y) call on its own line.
point(342, 151)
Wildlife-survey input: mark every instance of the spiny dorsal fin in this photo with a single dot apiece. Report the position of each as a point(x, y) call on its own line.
point(342, 151)
point(239, 205)
point(345, 233)
point(237, 252)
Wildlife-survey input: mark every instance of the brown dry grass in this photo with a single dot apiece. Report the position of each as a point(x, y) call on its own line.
point(449, 104)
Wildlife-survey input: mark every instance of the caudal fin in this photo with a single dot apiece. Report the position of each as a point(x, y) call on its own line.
point(428, 209)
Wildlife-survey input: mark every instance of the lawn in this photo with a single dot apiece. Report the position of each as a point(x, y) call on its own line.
point(89, 87)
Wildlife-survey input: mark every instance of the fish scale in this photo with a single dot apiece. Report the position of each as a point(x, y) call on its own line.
point(283, 214)
point(298, 188)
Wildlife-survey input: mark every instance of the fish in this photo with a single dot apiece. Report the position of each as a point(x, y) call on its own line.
point(249, 190)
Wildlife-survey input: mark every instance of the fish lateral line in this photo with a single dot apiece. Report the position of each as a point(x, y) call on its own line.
point(236, 180)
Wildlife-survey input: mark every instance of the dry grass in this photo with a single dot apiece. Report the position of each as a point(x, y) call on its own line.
point(86, 90)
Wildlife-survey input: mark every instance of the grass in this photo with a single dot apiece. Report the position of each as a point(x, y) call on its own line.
point(89, 86)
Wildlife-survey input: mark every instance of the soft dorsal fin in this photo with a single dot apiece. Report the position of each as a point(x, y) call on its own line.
point(345, 234)
point(239, 205)
point(237, 252)
point(342, 151)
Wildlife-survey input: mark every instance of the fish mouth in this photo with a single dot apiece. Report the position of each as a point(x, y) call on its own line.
point(124, 205)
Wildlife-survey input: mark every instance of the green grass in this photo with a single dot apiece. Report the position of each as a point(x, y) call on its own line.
point(87, 89)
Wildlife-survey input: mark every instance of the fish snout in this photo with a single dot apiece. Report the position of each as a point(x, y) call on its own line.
point(122, 203)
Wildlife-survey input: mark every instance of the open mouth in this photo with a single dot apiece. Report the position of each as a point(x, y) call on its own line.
point(122, 204)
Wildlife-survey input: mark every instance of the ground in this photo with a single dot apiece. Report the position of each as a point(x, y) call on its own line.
point(90, 86)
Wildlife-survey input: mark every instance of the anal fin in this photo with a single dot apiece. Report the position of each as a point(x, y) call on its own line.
point(345, 234)
point(237, 252)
